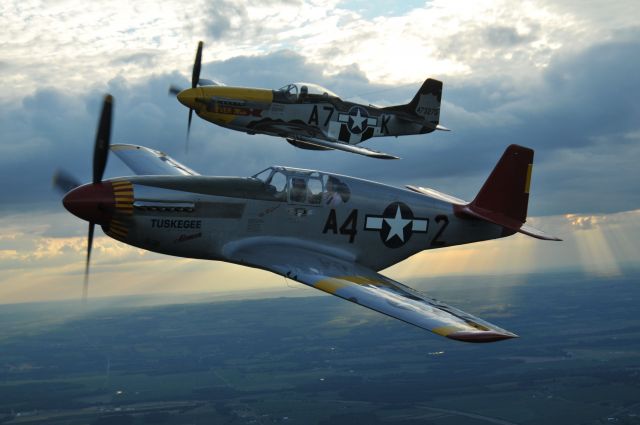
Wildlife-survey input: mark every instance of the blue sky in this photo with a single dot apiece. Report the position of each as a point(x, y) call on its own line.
point(560, 77)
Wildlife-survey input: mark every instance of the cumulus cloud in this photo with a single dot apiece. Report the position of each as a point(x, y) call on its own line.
point(69, 43)
point(580, 116)
point(529, 74)
point(583, 222)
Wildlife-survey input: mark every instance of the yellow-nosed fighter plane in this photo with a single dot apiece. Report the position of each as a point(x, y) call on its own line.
point(328, 231)
point(310, 116)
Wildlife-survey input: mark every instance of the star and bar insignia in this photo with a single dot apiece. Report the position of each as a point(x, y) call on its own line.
point(396, 224)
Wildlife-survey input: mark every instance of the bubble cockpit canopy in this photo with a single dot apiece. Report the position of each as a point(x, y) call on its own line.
point(294, 90)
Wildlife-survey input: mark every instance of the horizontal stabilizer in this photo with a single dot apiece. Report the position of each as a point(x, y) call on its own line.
point(437, 195)
point(150, 162)
point(537, 233)
point(504, 221)
point(420, 121)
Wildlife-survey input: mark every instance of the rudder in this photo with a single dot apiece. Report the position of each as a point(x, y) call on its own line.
point(426, 103)
point(506, 191)
point(424, 108)
point(504, 197)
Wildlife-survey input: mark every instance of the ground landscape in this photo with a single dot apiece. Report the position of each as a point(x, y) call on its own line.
point(320, 360)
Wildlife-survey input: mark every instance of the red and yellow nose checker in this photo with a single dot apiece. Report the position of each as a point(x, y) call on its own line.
point(118, 227)
point(108, 203)
point(310, 116)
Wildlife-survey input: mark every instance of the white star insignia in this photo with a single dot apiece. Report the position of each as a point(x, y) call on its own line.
point(397, 225)
point(358, 120)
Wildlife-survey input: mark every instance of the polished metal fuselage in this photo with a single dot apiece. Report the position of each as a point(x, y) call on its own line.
point(208, 217)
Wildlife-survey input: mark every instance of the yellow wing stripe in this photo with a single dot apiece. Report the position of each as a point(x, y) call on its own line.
point(330, 285)
point(445, 330)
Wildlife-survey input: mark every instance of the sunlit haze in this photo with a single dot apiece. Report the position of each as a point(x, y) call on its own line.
point(561, 77)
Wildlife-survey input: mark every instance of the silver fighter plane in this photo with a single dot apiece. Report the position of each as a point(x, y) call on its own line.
point(328, 231)
point(309, 116)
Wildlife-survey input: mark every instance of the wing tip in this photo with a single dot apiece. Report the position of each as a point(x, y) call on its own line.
point(480, 337)
point(386, 156)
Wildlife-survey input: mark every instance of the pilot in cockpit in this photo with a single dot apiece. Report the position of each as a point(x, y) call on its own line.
point(298, 190)
point(304, 91)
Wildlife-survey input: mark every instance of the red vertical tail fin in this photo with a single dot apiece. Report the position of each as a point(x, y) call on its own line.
point(506, 191)
point(504, 197)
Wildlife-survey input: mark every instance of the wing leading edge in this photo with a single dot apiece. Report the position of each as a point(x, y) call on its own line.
point(344, 147)
point(353, 282)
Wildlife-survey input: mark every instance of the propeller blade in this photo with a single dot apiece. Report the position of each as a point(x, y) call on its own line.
point(174, 90)
point(186, 147)
point(195, 76)
point(64, 181)
point(101, 149)
point(85, 287)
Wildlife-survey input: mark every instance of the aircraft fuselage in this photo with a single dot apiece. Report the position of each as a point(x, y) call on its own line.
point(275, 113)
point(206, 217)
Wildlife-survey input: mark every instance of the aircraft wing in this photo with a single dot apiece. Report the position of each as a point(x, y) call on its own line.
point(301, 133)
point(150, 162)
point(336, 274)
point(343, 147)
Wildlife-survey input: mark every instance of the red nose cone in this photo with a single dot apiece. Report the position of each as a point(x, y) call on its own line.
point(92, 202)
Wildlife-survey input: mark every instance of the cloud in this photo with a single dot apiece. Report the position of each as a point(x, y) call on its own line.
point(225, 16)
point(229, 20)
point(526, 74)
point(143, 59)
point(397, 44)
point(584, 222)
point(505, 36)
point(580, 115)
